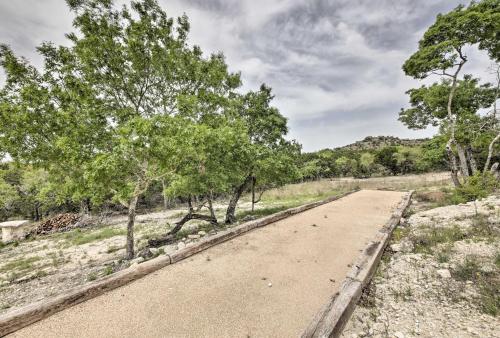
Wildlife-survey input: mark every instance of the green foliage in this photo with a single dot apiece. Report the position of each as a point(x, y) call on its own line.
point(271, 159)
point(454, 104)
point(346, 165)
point(27, 192)
point(268, 159)
point(206, 164)
point(128, 102)
point(441, 46)
point(426, 241)
point(407, 159)
point(477, 186)
point(79, 238)
point(366, 164)
point(433, 156)
point(429, 103)
point(362, 163)
point(92, 276)
point(20, 264)
point(385, 157)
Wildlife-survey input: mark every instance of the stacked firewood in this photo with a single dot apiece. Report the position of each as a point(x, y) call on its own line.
point(57, 223)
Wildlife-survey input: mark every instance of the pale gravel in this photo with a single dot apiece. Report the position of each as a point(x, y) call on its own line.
point(225, 291)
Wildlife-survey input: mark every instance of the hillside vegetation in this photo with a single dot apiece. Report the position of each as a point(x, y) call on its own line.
point(378, 142)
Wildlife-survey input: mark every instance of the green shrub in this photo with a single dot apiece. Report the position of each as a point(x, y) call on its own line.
point(20, 264)
point(477, 186)
point(426, 241)
point(469, 270)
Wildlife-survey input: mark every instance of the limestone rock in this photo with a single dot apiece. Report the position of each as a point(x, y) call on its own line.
point(444, 273)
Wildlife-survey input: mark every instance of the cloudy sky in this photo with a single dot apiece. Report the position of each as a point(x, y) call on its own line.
point(334, 65)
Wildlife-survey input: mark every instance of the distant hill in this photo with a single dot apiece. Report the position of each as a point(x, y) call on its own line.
point(377, 142)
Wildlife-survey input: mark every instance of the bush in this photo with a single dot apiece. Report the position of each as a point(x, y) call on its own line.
point(477, 186)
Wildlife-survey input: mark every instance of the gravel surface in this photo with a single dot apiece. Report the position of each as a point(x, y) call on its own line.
point(267, 283)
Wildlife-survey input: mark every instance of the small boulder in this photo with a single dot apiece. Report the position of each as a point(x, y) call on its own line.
point(402, 247)
point(399, 335)
point(181, 245)
point(193, 236)
point(444, 273)
point(145, 253)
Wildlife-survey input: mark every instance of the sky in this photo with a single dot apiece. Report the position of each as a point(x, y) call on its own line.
point(334, 65)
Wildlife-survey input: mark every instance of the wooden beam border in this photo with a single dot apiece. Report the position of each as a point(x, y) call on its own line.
point(332, 318)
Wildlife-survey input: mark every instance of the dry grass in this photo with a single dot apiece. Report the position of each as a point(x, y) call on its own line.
point(326, 187)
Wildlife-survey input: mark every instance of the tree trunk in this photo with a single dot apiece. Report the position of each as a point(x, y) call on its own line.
point(464, 168)
point(37, 212)
point(165, 198)
point(130, 227)
point(471, 159)
point(453, 164)
point(494, 170)
point(451, 119)
point(231, 208)
point(254, 179)
point(85, 207)
point(490, 152)
point(211, 208)
point(170, 236)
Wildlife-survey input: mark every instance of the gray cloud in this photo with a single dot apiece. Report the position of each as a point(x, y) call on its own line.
point(334, 65)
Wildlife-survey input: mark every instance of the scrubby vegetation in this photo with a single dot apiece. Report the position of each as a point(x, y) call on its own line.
point(130, 107)
point(375, 156)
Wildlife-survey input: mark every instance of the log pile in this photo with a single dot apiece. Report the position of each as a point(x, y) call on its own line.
point(57, 223)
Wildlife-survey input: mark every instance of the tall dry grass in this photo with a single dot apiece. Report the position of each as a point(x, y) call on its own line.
point(326, 187)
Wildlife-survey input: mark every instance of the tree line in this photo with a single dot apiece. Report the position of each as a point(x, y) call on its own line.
point(128, 105)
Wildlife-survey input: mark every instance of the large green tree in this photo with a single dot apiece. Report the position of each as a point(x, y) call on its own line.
point(111, 109)
point(205, 171)
point(269, 158)
point(442, 52)
point(429, 107)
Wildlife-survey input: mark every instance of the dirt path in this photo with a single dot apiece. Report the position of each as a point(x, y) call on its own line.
point(268, 282)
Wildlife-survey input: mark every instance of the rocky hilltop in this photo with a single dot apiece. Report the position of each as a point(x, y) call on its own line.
point(377, 142)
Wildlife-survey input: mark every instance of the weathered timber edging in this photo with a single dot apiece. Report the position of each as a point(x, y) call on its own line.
point(29, 314)
point(331, 319)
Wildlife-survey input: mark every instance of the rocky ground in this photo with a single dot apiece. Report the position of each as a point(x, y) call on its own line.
point(439, 277)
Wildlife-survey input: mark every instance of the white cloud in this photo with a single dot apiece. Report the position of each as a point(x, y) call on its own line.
point(334, 65)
